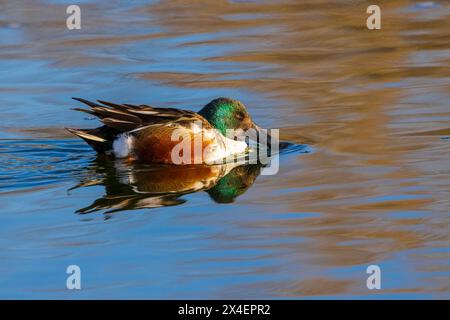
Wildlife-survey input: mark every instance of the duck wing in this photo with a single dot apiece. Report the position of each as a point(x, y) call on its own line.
point(128, 117)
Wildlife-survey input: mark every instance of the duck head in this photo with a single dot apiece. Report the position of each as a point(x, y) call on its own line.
point(226, 113)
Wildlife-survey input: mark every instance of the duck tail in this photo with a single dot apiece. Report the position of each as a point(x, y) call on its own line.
point(92, 138)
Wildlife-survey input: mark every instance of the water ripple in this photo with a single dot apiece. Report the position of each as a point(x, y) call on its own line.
point(27, 163)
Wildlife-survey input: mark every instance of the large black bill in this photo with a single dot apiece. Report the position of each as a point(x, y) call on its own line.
point(265, 136)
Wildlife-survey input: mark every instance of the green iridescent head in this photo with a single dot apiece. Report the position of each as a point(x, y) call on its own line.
point(226, 113)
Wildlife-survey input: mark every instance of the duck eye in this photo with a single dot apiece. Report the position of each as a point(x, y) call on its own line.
point(239, 116)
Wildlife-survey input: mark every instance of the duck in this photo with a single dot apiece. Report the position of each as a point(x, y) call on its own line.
point(168, 135)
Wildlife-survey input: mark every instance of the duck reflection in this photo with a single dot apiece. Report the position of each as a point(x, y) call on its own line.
point(131, 186)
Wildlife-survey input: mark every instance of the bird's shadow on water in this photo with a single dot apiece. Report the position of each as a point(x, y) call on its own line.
point(132, 186)
point(139, 186)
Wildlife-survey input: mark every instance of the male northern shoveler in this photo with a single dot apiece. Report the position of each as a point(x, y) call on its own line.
point(146, 133)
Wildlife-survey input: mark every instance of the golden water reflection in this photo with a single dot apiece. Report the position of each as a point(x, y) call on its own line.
point(373, 106)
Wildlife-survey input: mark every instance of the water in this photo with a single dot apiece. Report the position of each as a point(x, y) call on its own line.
point(365, 180)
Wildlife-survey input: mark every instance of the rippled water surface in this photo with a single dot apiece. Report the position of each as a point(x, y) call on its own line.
point(365, 179)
